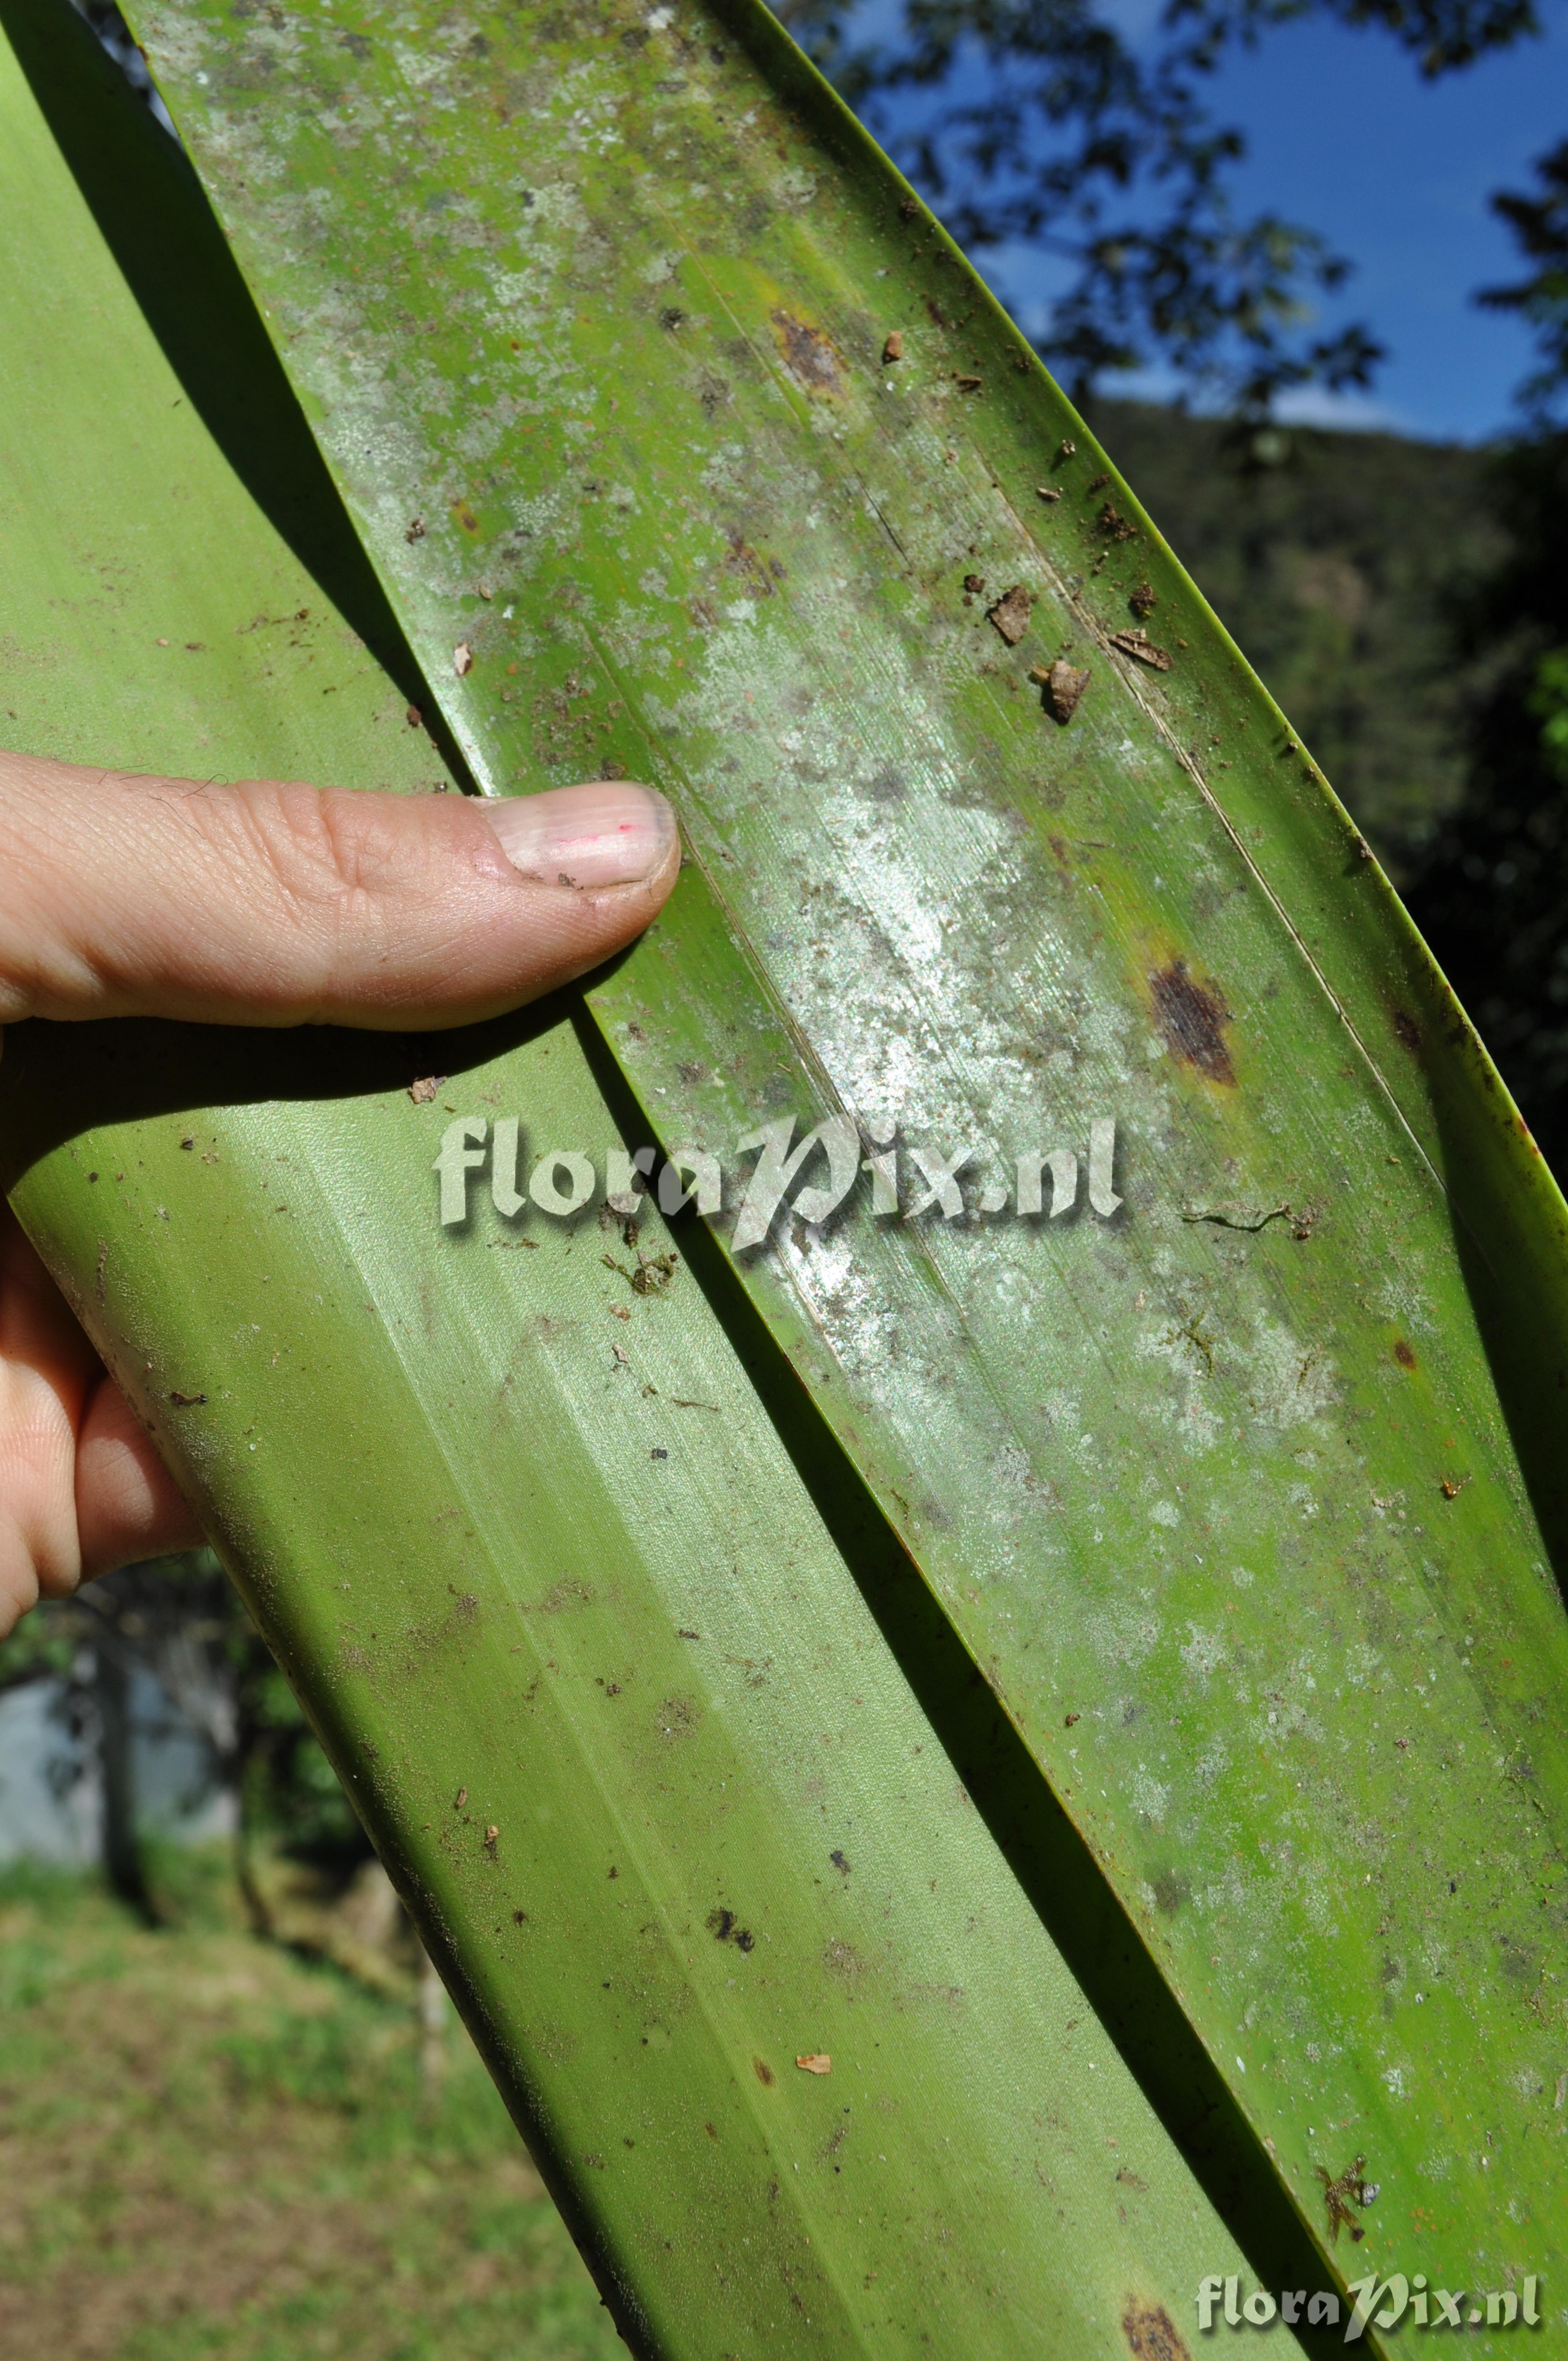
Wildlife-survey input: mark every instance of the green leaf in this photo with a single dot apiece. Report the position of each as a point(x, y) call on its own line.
point(1244, 1500)
point(677, 1798)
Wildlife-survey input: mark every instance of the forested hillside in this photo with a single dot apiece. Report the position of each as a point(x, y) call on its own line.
point(1336, 561)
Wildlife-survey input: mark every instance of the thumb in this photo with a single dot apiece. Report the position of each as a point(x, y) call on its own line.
point(272, 904)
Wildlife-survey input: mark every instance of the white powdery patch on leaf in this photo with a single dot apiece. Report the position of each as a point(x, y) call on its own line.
point(1287, 1382)
point(1203, 1654)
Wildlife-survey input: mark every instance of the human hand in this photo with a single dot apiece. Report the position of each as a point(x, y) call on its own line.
point(260, 903)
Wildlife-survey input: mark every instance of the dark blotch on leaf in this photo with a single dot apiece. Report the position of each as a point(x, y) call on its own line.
point(722, 1926)
point(1191, 1016)
point(1170, 1891)
point(1152, 2333)
point(809, 354)
point(1404, 1355)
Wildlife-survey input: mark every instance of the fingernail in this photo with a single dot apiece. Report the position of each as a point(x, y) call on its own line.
point(610, 833)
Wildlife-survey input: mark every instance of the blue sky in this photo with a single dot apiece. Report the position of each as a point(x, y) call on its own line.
point(1345, 136)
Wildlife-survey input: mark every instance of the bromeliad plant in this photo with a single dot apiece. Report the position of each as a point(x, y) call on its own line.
point(970, 1771)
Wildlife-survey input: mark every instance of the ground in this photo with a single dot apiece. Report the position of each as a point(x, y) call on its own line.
point(209, 2146)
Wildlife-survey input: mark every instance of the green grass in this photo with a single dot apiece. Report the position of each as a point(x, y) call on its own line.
point(210, 2148)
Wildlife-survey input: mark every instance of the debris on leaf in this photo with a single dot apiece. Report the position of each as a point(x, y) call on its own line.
point(1047, 491)
point(816, 2061)
point(1097, 483)
point(413, 716)
point(1064, 685)
point(1338, 2196)
point(486, 591)
point(974, 583)
point(1066, 450)
point(460, 1799)
point(1113, 525)
point(425, 1090)
point(462, 658)
point(192, 1401)
point(1011, 613)
point(893, 350)
point(1235, 1216)
point(967, 384)
point(1143, 600)
point(416, 530)
point(1139, 644)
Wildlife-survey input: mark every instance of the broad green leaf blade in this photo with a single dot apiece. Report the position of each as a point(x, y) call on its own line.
point(1237, 1497)
point(665, 1803)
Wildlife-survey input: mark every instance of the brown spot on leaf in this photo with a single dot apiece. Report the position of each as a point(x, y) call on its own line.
point(1011, 613)
point(1152, 2333)
point(1408, 1031)
point(1404, 1354)
point(810, 357)
point(764, 2074)
point(743, 559)
point(465, 516)
point(1191, 1016)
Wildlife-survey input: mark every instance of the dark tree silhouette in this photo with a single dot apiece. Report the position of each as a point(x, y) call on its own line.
point(1493, 899)
point(1037, 123)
